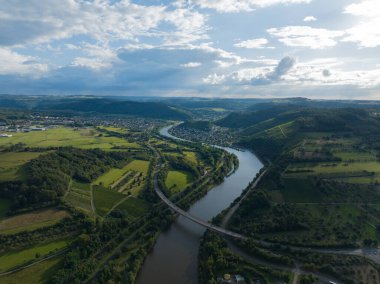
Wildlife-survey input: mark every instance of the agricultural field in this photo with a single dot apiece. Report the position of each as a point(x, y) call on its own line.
point(79, 196)
point(39, 273)
point(11, 163)
point(111, 177)
point(337, 158)
point(105, 199)
point(134, 207)
point(130, 178)
point(13, 259)
point(86, 138)
point(176, 181)
point(32, 220)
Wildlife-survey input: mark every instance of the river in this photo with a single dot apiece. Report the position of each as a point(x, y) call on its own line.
point(174, 258)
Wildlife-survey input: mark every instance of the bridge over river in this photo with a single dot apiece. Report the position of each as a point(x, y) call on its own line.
point(194, 218)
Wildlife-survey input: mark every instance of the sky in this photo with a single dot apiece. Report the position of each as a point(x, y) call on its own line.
point(326, 49)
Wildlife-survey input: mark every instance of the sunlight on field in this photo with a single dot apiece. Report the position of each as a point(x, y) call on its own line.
point(12, 161)
point(60, 137)
point(177, 180)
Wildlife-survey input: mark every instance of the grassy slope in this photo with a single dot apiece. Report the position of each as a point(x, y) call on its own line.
point(12, 259)
point(11, 163)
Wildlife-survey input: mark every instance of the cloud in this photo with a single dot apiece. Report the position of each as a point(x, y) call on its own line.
point(326, 73)
point(191, 64)
point(283, 67)
point(310, 19)
point(366, 33)
point(306, 36)
point(253, 43)
point(233, 6)
point(15, 63)
point(254, 76)
point(42, 21)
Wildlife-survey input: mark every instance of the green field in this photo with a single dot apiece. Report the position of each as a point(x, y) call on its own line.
point(63, 136)
point(331, 168)
point(355, 156)
point(139, 166)
point(13, 259)
point(104, 199)
point(39, 273)
point(4, 207)
point(191, 156)
point(81, 186)
point(110, 177)
point(176, 181)
point(133, 174)
point(79, 201)
point(134, 207)
point(31, 220)
point(11, 163)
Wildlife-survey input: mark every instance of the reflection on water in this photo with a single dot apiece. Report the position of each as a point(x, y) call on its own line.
point(174, 257)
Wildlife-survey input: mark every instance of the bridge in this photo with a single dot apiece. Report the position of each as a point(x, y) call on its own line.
point(193, 218)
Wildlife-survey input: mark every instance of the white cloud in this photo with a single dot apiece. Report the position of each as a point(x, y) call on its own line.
point(97, 57)
point(234, 6)
point(253, 43)
point(312, 75)
point(41, 21)
point(310, 19)
point(191, 64)
point(366, 33)
point(14, 63)
point(306, 36)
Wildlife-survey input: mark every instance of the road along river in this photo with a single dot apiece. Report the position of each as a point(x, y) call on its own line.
point(174, 257)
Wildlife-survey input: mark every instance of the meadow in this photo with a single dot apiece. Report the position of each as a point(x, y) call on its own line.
point(31, 221)
point(11, 163)
point(86, 138)
point(13, 259)
point(176, 181)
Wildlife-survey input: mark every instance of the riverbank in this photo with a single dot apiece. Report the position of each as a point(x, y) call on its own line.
point(174, 257)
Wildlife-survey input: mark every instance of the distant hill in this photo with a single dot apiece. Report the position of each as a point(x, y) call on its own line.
point(268, 131)
point(107, 106)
